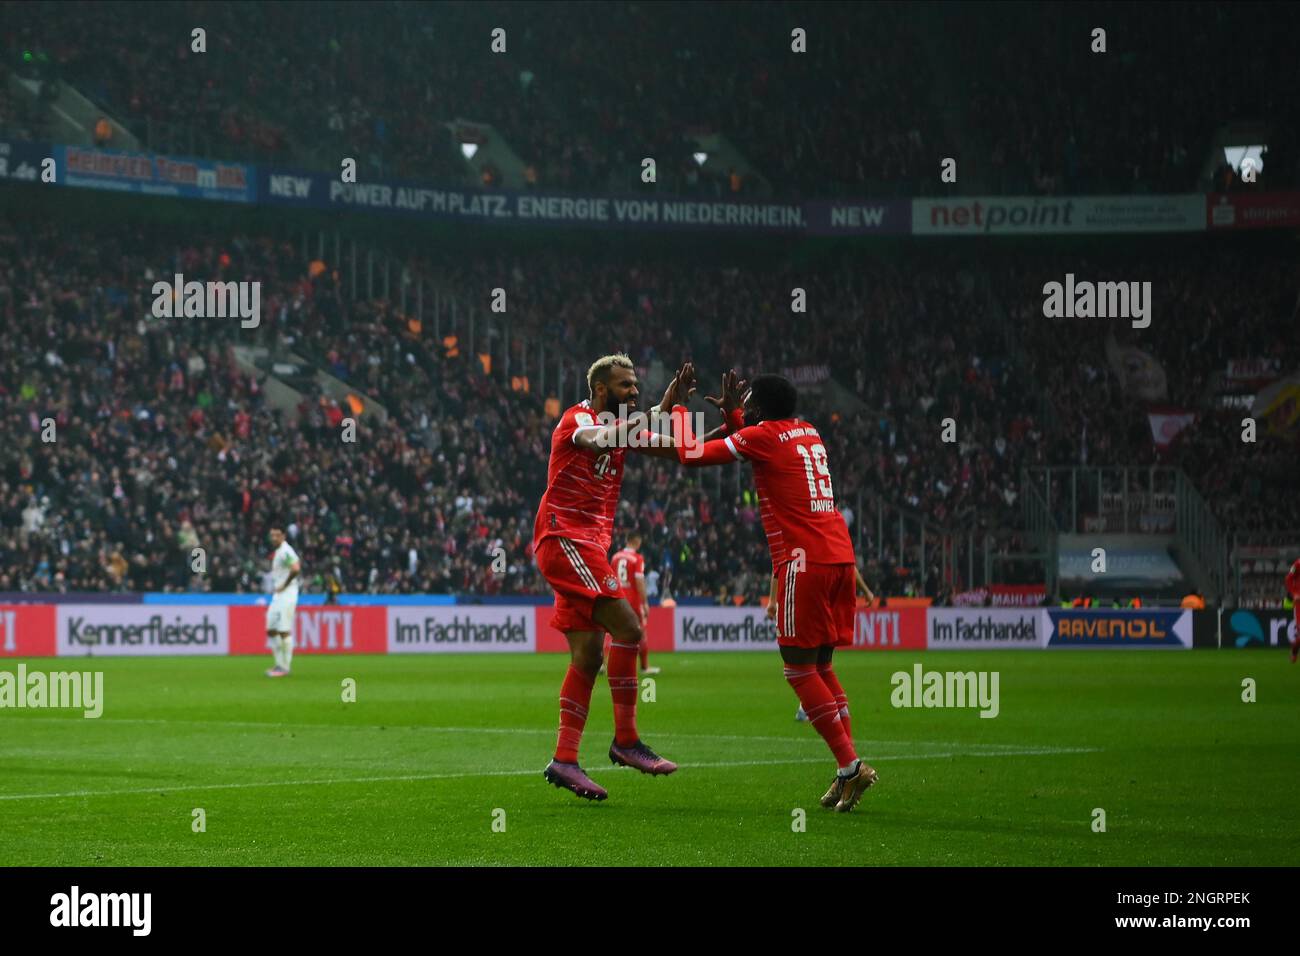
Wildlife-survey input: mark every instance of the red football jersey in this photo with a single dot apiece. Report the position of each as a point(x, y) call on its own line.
point(795, 496)
point(1293, 580)
point(629, 566)
point(582, 485)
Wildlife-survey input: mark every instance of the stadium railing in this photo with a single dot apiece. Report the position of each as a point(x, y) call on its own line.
point(505, 352)
point(1199, 533)
point(1042, 531)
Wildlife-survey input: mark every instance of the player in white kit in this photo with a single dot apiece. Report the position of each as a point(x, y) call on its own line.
point(285, 569)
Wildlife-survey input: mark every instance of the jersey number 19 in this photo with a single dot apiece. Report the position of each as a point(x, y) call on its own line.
point(817, 487)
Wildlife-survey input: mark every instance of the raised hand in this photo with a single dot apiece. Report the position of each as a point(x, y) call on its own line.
point(685, 383)
point(733, 393)
point(670, 397)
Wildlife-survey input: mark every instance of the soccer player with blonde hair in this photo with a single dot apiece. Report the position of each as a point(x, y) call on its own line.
point(571, 541)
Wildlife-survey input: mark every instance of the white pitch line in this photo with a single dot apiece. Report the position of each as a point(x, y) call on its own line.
point(185, 788)
point(514, 731)
point(266, 725)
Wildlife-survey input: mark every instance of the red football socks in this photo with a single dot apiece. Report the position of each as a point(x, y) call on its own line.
point(622, 688)
point(832, 683)
point(822, 710)
point(575, 699)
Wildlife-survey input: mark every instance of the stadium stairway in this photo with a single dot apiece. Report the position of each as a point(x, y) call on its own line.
point(1202, 547)
point(71, 116)
point(284, 379)
point(493, 150)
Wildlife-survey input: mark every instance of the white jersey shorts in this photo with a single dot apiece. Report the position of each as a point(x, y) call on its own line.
point(279, 616)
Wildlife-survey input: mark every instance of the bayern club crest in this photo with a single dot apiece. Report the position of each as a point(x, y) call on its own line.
point(611, 582)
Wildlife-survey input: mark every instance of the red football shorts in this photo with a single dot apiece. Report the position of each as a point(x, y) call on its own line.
point(814, 607)
point(578, 574)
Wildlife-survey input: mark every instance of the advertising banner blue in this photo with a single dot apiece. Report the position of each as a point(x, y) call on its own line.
point(304, 600)
point(1119, 628)
point(75, 597)
point(209, 179)
point(326, 191)
point(154, 175)
point(22, 161)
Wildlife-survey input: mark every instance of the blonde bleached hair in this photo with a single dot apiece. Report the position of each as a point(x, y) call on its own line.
point(599, 370)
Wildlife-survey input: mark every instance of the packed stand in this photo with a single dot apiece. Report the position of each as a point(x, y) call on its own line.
point(163, 441)
point(582, 99)
point(1210, 305)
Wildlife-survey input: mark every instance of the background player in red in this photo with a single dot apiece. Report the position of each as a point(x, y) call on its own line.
point(571, 539)
point(814, 572)
point(1293, 589)
point(629, 568)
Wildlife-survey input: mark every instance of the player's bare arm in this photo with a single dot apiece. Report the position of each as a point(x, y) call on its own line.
point(293, 573)
point(660, 446)
point(604, 437)
point(623, 393)
point(862, 586)
point(655, 444)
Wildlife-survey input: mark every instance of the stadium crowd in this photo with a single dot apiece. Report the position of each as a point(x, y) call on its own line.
point(878, 98)
point(1209, 306)
point(163, 442)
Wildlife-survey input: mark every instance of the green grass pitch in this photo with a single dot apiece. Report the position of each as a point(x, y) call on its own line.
point(412, 772)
